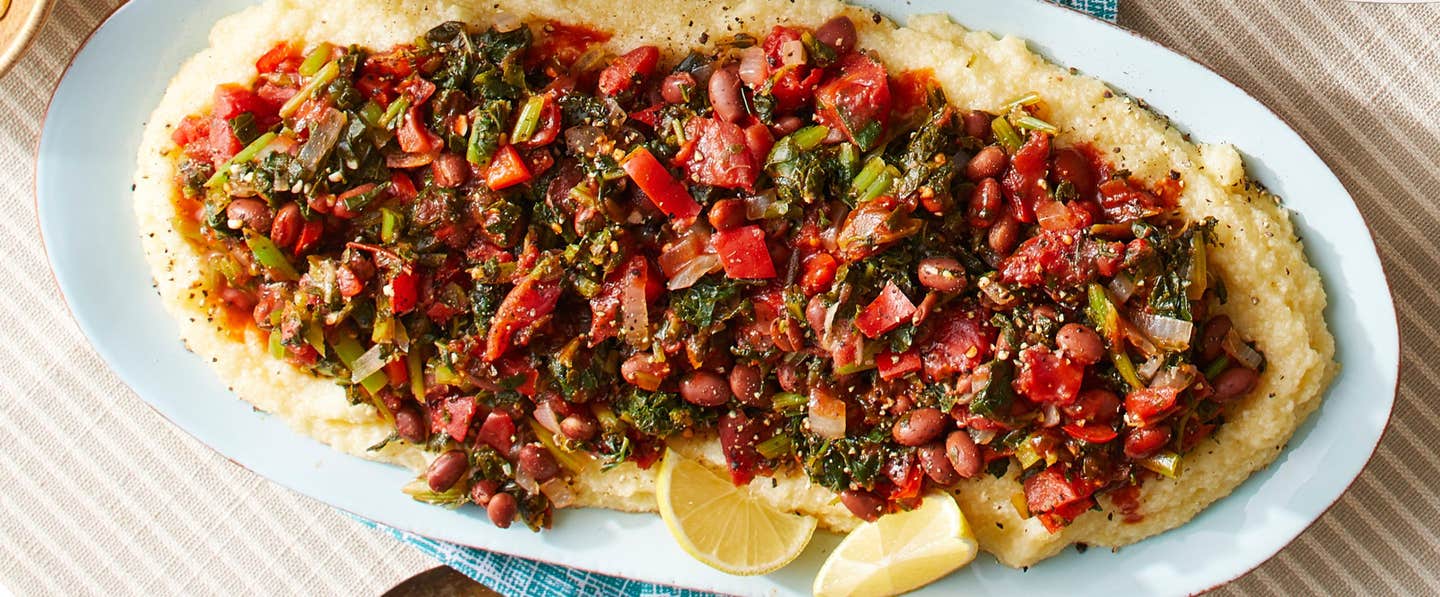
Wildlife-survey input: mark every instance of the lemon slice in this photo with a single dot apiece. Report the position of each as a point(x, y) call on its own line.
point(724, 526)
point(900, 552)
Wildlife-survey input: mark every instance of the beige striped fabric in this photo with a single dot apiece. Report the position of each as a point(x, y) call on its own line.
point(100, 495)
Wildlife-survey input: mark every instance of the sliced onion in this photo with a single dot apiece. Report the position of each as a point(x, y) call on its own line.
point(559, 492)
point(1049, 415)
point(367, 364)
point(984, 436)
point(827, 414)
point(525, 481)
point(758, 207)
point(634, 314)
point(1168, 332)
point(323, 136)
point(693, 271)
point(1173, 377)
point(1122, 286)
point(753, 69)
point(1055, 215)
point(1148, 369)
point(1240, 351)
point(545, 416)
point(792, 52)
point(678, 254)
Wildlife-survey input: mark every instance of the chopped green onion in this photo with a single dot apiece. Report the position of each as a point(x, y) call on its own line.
point(1126, 368)
point(867, 175)
point(444, 376)
point(389, 225)
point(277, 349)
point(270, 256)
point(1217, 367)
point(775, 447)
point(476, 150)
point(787, 402)
point(1028, 99)
point(419, 490)
point(315, 337)
point(1006, 135)
point(415, 365)
point(809, 137)
point(316, 59)
point(529, 119)
point(359, 202)
point(1199, 277)
point(322, 77)
point(392, 114)
point(372, 114)
point(349, 350)
point(1165, 463)
point(1026, 453)
point(881, 186)
point(1035, 124)
point(222, 173)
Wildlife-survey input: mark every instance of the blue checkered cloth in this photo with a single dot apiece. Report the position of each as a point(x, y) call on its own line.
point(510, 575)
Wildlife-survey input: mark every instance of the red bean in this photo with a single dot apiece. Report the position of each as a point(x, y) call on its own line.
point(786, 125)
point(964, 455)
point(675, 88)
point(726, 214)
point(864, 505)
point(642, 371)
point(1094, 406)
point(1004, 235)
point(748, 384)
point(977, 124)
point(942, 273)
point(1146, 441)
point(410, 425)
point(704, 388)
point(789, 378)
point(501, 509)
point(248, 213)
point(838, 33)
point(919, 426)
point(786, 334)
point(988, 163)
point(482, 491)
point(446, 469)
point(985, 203)
point(579, 427)
point(285, 230)
point(451, 170)
point(1234, 383)
point(537, 462)
point(347, 283)
point(1080, 343)
point(936, 464)
point(1212, 337)
point(725, 95)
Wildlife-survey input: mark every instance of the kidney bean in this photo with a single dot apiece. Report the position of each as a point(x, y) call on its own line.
point(988, 163)
point(237, 298)
point(248, 213)
point(446, 469)
point(537, 462)
point(725, 95)
point(785, 333)
point(1146, 441)
point(360, 265)
point(1004, 235)
point(1212, 337)
point(864, 505)
point(704, 388)
point(977, 124)
point(985, 204)
point(309, 236)
point(642, 371)
point(346, 281)
point(785, 125)
point(579, 427)
point(789, 378)
point(838, 33)
point(451, 170)
point(1080, 343)
point(936, 464)
point(285, 229)
point(676, 86)
point(410, 425)
point(1234, 383)
point(942, 273)
point(501, 509)
point(726, 214)
point(482, 491)
point(964, 455)
point(919, 426)
point(1094, 406)
point(748, 384)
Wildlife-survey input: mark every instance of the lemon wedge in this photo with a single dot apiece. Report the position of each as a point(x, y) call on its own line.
point(900, 552)
point(724, 526)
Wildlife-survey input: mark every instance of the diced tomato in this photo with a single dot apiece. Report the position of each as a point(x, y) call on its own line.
point(378, 88)
point(401, 187)
point(1024, 181)
point(623, 72)
point(1059, 258)
point(911, 90)
point(907, 478)
point(413, 136)
point(528, 301)
point(1060, 217)
point(276, 59)
point(1049, 489)
point(857, 102)
point(397, 372)
point(275, 95)
point(819, 274)
point(397, 64)
point(721, 156)
point(1145, 404)
point(563, 43)
point(1056, 519)
point(190, 129)
point(960, 340)
point(309, 236)
point(886, 312)
point(233, 100)
point(743, 253)
point(892, 365)
point(1072, 166)
point(1047, 378)
point(1124, 202)
point(498, 431)
point(605, 307)
point(459, 412)
point(663, 190)
point(404, 290)
point(791, 86)
point(1095, 434)
point(507, 169)
point(417, 89)
point(518, 371)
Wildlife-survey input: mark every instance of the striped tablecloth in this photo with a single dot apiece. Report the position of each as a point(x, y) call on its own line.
point(99, 495)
